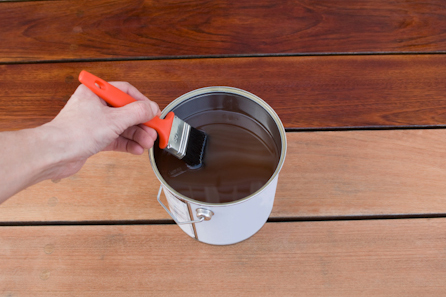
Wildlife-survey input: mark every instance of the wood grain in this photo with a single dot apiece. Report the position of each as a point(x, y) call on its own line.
point(326, 175)
point(322, 65)
point(349, 258)
point(61, 30)
point(306, 92)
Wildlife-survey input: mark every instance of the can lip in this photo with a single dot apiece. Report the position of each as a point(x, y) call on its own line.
point(230, 90)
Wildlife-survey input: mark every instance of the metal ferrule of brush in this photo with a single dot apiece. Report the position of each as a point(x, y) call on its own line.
point(178, 138)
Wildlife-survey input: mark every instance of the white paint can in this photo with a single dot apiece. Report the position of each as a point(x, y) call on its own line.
point(224, 223)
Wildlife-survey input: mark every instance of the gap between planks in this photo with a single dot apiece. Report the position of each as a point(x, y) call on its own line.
point(271, 220)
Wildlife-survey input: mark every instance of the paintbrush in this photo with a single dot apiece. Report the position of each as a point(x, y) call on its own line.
point(175, 136)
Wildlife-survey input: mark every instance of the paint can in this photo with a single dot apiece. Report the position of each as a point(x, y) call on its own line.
point(205, 212)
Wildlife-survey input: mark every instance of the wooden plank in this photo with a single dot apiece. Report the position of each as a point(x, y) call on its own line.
point(306, 92)
point(363, 173)
point(60, 30)
point(346, 258)
point(326, 174)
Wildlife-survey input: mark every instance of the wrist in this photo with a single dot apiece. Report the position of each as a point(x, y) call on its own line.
point(43, 155)
point(58, 153)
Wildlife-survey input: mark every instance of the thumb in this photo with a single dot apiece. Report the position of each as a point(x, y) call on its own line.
point(135, 113)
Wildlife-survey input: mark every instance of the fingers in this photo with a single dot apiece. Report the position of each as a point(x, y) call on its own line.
point(131, 115)
point(118, 129)
point(129, 89)
point(134, 140)
point(85, 95)
point(136, 94)
point(137, 112)
point(122, 144)
point(142, 135)
point(83, 92)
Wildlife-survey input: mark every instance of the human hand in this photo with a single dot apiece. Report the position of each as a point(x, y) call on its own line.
point(87, 125)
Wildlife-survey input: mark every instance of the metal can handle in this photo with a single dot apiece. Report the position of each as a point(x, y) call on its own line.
point(201, 218)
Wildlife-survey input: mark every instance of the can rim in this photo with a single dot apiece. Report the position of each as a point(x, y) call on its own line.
point(230, 90)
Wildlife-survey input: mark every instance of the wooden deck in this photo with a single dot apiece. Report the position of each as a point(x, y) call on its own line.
point(360, 208)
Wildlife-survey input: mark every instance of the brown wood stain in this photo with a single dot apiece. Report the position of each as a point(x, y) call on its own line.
point(240, 157)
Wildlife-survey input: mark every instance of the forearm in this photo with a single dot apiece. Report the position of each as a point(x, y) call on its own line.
point(84, 127)
point(26, 158)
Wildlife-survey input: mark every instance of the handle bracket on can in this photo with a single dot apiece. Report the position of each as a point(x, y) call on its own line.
point(202, 214)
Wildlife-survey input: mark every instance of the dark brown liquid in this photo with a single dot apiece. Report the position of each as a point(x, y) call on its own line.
point(240, 157)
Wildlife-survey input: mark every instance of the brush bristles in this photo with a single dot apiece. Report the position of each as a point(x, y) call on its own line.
point(195, 147)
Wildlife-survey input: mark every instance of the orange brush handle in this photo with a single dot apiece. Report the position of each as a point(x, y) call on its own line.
point(117, 98)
